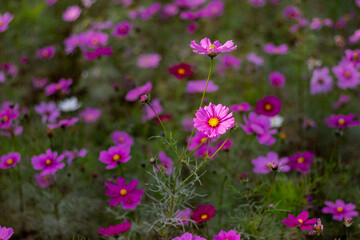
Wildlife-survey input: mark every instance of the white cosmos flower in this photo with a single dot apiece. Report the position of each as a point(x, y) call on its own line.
point(276, 121)
point(70, 104)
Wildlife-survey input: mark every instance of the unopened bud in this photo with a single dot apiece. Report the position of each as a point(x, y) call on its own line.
point(144, 99)
point(152, 160)
point(49, 133)
point(348, 221)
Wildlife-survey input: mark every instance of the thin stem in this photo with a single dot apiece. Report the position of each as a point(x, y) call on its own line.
point(196, 147)
point(158, 118)
point(299, 232)
point(21, 199)
point(347, 234)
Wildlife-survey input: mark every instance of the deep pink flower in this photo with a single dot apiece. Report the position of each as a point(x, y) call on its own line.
point(183, 216)
point(260, 125)
point(264, 165)
point(115, 230)
point(353, 56)
point(181, 70)
point(115, 155)
point(341, 121)
point(46, 52)
point(241, 107)
point(228, 61)
point(212, 49)
point(123, 193)
point(231, 235)
point(90, 115)
point(63, 123)
point(122, 30)
point(63, 87)
point(148, 113)
point(339, 209)
point(203, 213)
point(191, 27)
point(49, 162)
point(164, 162)
point(188, 236)
point(49, 112)
point(321, 81)
point(213, 120)
point(9, 160)
point(198, 86)
point(5, 19)
point(213, 9)
point(205, 151)
point(347, 75)
point(6, 233)
point(191, 15)
point(71, 155)
point(343, 99)
point(150, 60)
point(277, 79)
point(226, 146)
point(292, 13)
point(269, 106)
point(189, 3)
point(8, 115)
point(72, 13)
point(99, 51)
point(135, 93)
point(301, 161)
point(301, 221)
point(272, 49)
point(199, 138)
point(44, 180)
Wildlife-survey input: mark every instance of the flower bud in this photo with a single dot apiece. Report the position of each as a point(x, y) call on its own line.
point(348, 221)
point(274, 166)
point(49, 133)
point(152, 160)
point(144, 99)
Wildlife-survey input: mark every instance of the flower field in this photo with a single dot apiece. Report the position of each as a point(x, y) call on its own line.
point(179, 119)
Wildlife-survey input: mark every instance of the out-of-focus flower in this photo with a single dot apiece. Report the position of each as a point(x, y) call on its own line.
point(318, 228)
point(313, 63)
point(348, 221)
point(189, 3)
point(122, 139)
point(343, 99)
point(203, 213)
point(316, 24)
point(341, 121)
point(191, 27)
point(353, 56)
point(231, 235)
point(213, 9)
point(292, 13)
point(183, 216)
point(100, 51)
point(115, 155)
point(181, 70)
point(6, 233)
point(226, 146)
point(198, 86)
point(188, 124)
point(49, 162)
point(347, 75)
point(122, 30)
point(188, 236)
point(339, 209)
point(321, 81)
point(228, 62)
point(69, 104)
point(148, 113)
point(301, 161)
point(90, 115)
point(257, 3)
point(170, 10)
point(301, 221)
point(212, 49)
point(269, 106)
point(5, 19)
point(44, 180)
point(71, 155)
point(255, 59)
point(88, 3)
point(277, 79)
point(135, 93)
point(164, 162)
point(46, 52)
point(308, 123)
point(276, 121)
point(9, 160)
point(49, 111)
point(148, 60)
point(199, 138)
point(62, 87)
point(272, 49)
point(263, 164)
point(2, 77)
point(72, 13)
point(116, 229)
point(241, 107)
point(205, 151)
point(39, 83)
point(63, 123)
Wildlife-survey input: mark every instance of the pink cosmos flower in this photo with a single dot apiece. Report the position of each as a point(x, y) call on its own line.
point(212, 49)
point(263, 165)
point(343, 99)
point(198, 86)
point(6, 233)
point(188, 124)
point(2, 77)
point(99, 51)
point(49, 111)
point(49, 162)
point(93, 39)
point(62, 87)
point(188, 236)
point(169, 10)
point(191, 15)
point(165, 162)
point(272, 49)
point(301, 161)
point(39, 83)
point(199, 138)
point(115, 230)
point(316, 24)
point(44, 180)
point(5, 19)
point(122, 30)
point(226, 146)
point(203, 213)
point(46, 52)
point(231, 235)
point(339, 209)
point(189, 3)
point(90, 115)
point(228, 62)
point(9, 160)
point(347, 75)
point(50, 2)
point(269, 106)
point(241, 107)
point(72, 13)
point(213, 120)
point(123, 193)
point(122, 139)
point(292, 13)
point(318, 228)
point(181, 70)
point(191, 28)
point(64, 123)
point(183, 216)
point(341, 121)
point(114, 155)
point(257, 3)
point(260, 125)
point(213, 9)
point(353, 56)
point(135, 93)
point(277, 79)
point(146, 13)
point(301, 221)
point(205, 151)
point(148, 60)
point(255, 59)
point(148, 113)
point(71, 155)
point(321, 81)
point(9, 119)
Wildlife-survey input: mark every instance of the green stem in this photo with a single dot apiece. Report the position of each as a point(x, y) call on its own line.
point(347, 234)
point(21, 199)
point(196, 147)
point(158, 118)
point(299, 232)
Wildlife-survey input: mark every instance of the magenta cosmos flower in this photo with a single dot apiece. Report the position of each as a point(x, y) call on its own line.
point(198, 86)
point(71, 155)
point(49, 162)
point(212, 49)
point(150, 60)
point(260, 125)
point(269, 106)
point(199, 138)
point(343, 99)
point(181, 70)
point(90, 115)
point(122, 30)
point(230, 235)
point(135, 93)
point(341, 121)
point(122, 139)
point(228, 62)
point(5, 19)
point(205, 151)
point(213, 9)
point(339, 209)
point(164, 162)
point(72, 13)
point(347, 75)
point(353, 56)
point(272, 49)
point(213, 120)
point(49, 112)
point(183, 216)
point(39, 83)
point(301, 161)
point(6, 233)
point(46, 52)
point(115, 230)
point(115, 155)
point(241, 107)
point(277, 79)
point(188, 236)
point(123, 193)
point(292, 13)
point(63, 123)
point(264, 165)
point(203, 213)
point(189, 3)
point(301, 221)
point(63, 87)
point(44, 180)
point(9, 160)
point(321, 81)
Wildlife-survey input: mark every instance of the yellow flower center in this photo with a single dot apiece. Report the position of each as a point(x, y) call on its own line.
point(356, 56)
point(203, 139)
point(48, 161)
point(301, 221)
point(341, 121)
point(123, 192)
point(268, 107)
point(300, 160)
point(212, 46)
point(90, 117)
point(213, 122)
point(181, 71)
point(5, 118)
point(282, 136)
point(94, 41)
point(116, 157)
point(46, 179)
point(1, 23)
point(121, 140)
point(339, 209)
point(347, 74)
point(204, 216)
point(9, 161)
point(45, 53)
